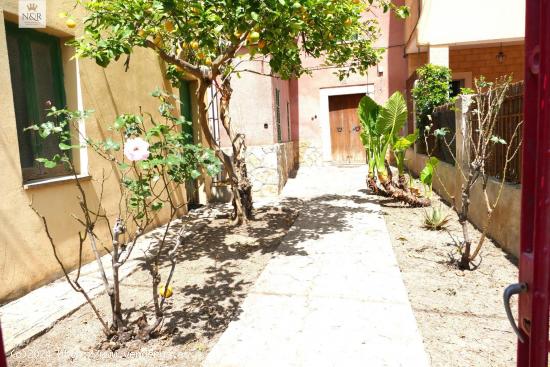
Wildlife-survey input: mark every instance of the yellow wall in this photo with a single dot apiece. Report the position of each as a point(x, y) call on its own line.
point(26, 259)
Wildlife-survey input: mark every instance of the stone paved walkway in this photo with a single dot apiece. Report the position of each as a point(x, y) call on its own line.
point(334, 296)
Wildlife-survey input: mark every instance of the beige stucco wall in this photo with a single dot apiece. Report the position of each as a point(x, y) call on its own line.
point(26, 259)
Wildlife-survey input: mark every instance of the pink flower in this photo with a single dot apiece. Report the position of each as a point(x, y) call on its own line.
point(136, 149)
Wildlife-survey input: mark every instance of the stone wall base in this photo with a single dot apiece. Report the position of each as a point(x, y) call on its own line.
point(269, 167)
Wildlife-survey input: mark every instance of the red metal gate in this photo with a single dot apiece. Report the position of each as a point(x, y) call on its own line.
point(3, 362)
point(534, 272)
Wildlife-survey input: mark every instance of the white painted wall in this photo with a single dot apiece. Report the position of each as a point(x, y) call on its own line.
point(448, 22)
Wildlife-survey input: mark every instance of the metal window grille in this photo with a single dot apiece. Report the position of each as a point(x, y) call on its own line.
point(214, 122)
point(278, 115)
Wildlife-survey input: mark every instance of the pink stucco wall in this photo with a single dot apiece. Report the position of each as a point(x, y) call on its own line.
point(253, 106)
point(305, 92)
point(253, 103)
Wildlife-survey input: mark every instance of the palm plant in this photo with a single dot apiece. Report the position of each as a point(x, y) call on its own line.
point(380, 132)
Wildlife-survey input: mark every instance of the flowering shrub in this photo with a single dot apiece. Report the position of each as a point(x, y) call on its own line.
point(136, 149)
point(153, 159)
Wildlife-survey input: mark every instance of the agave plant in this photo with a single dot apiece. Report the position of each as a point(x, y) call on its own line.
point(380, 127)
point(436, 220)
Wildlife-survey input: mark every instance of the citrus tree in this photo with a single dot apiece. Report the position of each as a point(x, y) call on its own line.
point(205, 39)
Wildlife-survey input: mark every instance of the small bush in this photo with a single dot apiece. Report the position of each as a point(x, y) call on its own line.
point(432, 89)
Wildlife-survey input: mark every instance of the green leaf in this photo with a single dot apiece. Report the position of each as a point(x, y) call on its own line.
point(497, 140)
point(441, 132)
point(405, 142)
point(368, 112)
point(123, 166)
point(426, 176)
point(157, 205)
point(392, 115)
point(46, 162)
point(403, 12)
point(64, 146)
point(110, 144)
point(195, 174)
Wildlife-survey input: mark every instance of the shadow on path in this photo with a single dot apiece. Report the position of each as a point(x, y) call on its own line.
point(210, 304)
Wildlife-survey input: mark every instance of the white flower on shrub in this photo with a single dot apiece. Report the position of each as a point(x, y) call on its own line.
point(136, 149)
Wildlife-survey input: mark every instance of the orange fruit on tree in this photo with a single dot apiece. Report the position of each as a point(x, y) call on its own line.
point(169, 26)
point(208, 61)
point(261, 44)
point(165, 293)
point(253, 37)
point(70, 23)
point(348, 22)
point(194, 45)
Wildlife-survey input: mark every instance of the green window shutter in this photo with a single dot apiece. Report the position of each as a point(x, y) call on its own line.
point(186, 111)
point(37, 77)
point(278, 114)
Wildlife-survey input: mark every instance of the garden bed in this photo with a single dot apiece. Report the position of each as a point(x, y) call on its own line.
point(216, 269)
point(459, 313)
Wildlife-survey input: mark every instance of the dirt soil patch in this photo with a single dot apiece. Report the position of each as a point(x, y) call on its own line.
point(459, 313)
point(216, 269)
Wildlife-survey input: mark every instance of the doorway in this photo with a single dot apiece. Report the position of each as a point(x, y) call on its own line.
point(345, 129)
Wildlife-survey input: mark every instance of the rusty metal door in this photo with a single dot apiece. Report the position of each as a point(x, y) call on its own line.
point(534, 272)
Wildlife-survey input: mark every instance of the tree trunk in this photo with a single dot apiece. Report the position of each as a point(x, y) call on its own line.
point(402, 183)
point(404, 196)
point(242, 203)
point(242, 188)
point(464, 262)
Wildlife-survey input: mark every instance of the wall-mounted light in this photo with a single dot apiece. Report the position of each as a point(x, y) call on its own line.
point(501, 56)
point(380, 69)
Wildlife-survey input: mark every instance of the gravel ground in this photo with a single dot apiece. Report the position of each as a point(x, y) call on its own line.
point(216, 269)
point(460, 313)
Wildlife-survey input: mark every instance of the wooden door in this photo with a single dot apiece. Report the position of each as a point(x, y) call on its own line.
point(345, 129)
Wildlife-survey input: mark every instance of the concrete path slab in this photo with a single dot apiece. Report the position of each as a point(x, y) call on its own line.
point(334, 295)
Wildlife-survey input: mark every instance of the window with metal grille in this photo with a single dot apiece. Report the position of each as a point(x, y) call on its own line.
point(289, 133)
point(36, 80)
point(278, 115)
point(214, 122)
